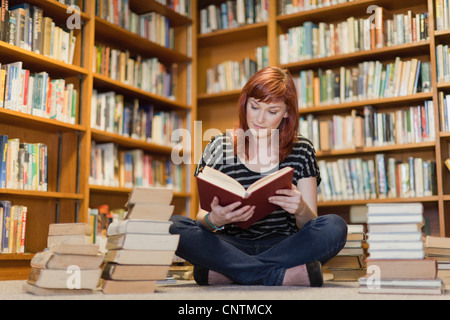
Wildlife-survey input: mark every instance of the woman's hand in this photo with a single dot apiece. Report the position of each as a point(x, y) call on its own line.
point(220, 216)
point(290, 200)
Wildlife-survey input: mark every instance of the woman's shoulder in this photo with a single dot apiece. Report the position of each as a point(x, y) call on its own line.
point(303, 143)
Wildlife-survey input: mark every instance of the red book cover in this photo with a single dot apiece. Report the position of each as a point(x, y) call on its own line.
point(211, 182)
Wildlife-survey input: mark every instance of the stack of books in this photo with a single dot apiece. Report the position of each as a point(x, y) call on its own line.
point(438, 248)
point(140, 248)
point(396, 262)
point(69, 266)
point(349, 263)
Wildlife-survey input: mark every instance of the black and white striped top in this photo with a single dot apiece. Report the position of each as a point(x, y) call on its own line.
point(219, 154)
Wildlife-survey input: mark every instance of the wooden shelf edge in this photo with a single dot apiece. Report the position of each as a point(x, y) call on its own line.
point(117, 85)
point(42, 194)
point(310, 63)
point(324, 10)
point(361, 103)
point(223, 36)
point(57, 7)
point(134, 42)
point(365, 150)
point(104, 136)
point(16, 256)
point(176, 19)
point(52, 124)
point(366, 201)
point(21, 54)
point(211, 97)
point(123, 190)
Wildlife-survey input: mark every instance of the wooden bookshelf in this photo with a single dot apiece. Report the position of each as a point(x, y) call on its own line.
point(219, 111)
point(69, 194)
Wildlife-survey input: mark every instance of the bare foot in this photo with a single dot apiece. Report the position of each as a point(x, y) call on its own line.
point(296, 276)
point(216, 278)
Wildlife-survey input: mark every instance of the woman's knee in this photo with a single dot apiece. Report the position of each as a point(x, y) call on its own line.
point(336, 228)
point(179, 223)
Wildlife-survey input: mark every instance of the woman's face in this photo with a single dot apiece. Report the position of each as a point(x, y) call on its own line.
point(263, 117)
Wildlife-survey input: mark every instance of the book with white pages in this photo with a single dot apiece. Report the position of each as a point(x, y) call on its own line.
point(138, 226)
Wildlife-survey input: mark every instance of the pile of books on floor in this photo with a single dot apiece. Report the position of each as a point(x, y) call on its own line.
point(140, 249)
point(438, 248)
point(70, 265)
point(396, 260)
point(349, 263)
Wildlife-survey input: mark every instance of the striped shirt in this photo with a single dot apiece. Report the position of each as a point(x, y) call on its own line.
point(219, 154)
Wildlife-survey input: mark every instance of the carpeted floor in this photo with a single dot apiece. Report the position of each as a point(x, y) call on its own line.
point(188, 290)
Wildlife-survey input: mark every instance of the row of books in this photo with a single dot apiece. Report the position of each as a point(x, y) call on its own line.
point(379, 178)
point(232, 14)
point(229, 75)
point(370, 128)
point(156, 28)
point(442, 13)
point(37, 93)
point(444, 111)
point(182, 7)
point(232, 75)
point(100, 217)
point(23, 166)
point(312, 41)
point(112, 113)
point(396, 261)
point(26, 27)
point(13, 221)
point(118, 12)
point(149, 75)
point(151, 26)
point(69, 2)
point(113, 167)
point(293, 6)
point(369, 80)
point(442, 63)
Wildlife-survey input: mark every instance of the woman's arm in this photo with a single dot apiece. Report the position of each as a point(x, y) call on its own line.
point(308, 190)
point(201, 217)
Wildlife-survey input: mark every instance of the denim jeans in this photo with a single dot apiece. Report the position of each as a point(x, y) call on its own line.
point(259, 262)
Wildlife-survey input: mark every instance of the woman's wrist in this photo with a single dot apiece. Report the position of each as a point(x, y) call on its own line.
point(210, 220)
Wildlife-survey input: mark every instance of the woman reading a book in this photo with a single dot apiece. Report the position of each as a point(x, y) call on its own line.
point(286, 247)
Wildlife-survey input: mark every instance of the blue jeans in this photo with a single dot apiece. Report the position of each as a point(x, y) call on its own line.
point(259, 262)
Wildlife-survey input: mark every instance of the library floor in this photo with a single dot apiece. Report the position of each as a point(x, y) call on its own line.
point(189, 290)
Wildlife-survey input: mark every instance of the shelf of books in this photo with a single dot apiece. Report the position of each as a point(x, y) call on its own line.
point(43, 78)
point(365, 80)
point(373, 85)
point(141, 68)
point(90, 94)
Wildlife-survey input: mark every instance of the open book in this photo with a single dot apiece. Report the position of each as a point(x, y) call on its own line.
point(211, 182)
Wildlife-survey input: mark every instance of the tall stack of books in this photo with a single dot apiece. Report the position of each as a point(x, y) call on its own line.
point(140, 248)
point(438, 248)
point(349, 263)
point(69, 266)
point(396, 262)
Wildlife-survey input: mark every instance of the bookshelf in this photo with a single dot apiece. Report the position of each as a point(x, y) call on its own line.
point(217, 110)
point(70, 193)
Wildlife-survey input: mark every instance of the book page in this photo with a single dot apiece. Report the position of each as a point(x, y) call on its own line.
point(267, 179)
point(221, 179)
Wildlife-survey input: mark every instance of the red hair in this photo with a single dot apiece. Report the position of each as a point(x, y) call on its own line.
point(272, 84)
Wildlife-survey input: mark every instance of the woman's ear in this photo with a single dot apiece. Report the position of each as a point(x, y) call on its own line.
point(285, 115)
